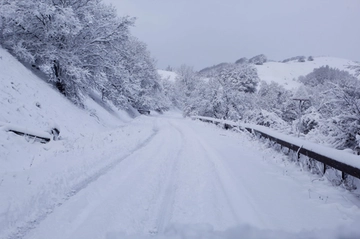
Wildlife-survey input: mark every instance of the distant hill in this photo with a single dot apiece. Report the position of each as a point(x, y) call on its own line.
point(286, 73)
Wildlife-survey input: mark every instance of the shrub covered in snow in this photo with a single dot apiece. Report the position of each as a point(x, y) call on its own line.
point(302, 59)
point(226, 94)
point(324, 75)
point(265, 118)
point(335, 97)
point(258, 60)
point(295, 58)
point(310, 120)
point(242, 60)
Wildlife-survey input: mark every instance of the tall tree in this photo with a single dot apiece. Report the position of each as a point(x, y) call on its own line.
point(82, 45)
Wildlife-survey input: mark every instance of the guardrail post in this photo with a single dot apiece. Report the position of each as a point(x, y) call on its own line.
point(343, 175)
point(298, 152)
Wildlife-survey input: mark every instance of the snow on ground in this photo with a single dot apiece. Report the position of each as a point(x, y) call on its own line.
point(162, 176)
point(207, 179)
point(34, 177)
point(28, 101)
point(338, 155)
point(286, 74)
point(167, 75)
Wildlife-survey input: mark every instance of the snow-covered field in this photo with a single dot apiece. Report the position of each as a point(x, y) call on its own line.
point(163, 176)
point(286, 74)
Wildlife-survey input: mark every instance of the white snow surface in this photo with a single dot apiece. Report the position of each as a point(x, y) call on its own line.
point(193, 174)
point(110, 176)
point(338, 155)
point(286, 74)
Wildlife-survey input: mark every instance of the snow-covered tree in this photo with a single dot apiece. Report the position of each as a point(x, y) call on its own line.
point(38, 32)
point(225, 94)
point(266, 118)
point(238, 78)
point(302, 59)
point(170, 92)
point(335, 97)
point(322, 75)
point(81, 45)
point(356, 68)
point(234, 82)
point(213, 71)
point(242, 60)
point(185, 82)
point(258, 60)
point(272, 97)
point(342, 100)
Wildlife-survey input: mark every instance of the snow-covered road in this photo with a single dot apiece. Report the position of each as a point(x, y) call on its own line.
point(191, 173)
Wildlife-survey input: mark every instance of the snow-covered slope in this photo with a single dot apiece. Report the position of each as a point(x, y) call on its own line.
point(36, 177)
point(286, 74)
point(27, 101)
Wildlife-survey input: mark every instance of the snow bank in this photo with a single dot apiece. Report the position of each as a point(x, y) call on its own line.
point(338, 155)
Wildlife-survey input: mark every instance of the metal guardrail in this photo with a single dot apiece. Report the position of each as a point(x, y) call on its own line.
point(41, 139)
point(327, 161)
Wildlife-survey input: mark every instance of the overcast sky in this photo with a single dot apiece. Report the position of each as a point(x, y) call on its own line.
point(202, 33)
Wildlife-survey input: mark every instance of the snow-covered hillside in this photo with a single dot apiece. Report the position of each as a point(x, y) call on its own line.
point(29, 102)
point(286, 74)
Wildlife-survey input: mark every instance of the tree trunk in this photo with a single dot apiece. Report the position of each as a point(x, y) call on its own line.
point(60, 85)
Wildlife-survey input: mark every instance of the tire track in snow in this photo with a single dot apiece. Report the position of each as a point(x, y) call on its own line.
point(227, 185)
point(231, 203)
point(22, 231)
point(199, 198)
point(136, 198)
point(164, 210)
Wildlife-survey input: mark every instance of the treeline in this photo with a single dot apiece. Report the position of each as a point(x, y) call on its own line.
point(82, 45)
point(328, 113)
